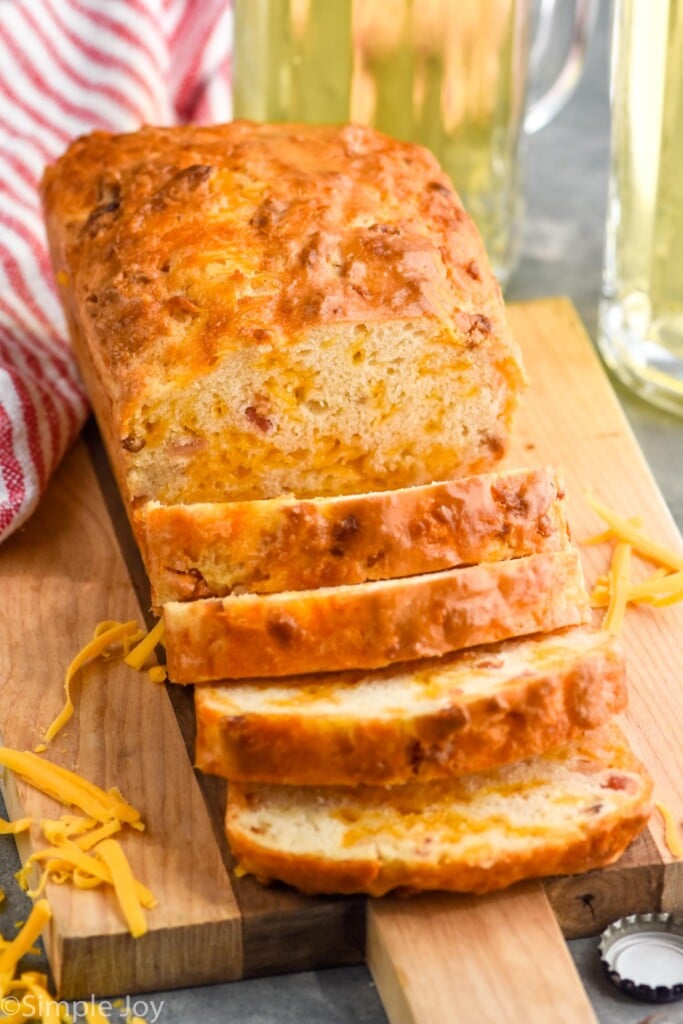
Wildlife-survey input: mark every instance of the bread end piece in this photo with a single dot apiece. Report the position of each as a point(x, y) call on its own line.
point(573, 810)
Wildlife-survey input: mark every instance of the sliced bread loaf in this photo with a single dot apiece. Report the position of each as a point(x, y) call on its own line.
point(445, 716)
point(368, 625)
point(212, 549)
point(569, 811)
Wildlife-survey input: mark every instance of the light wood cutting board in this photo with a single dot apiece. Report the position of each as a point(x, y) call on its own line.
point(75, 564)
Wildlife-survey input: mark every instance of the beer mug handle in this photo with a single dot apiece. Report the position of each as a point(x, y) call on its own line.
point(541, 111)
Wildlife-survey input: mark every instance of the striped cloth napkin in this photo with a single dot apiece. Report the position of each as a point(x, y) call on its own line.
point(67, 67)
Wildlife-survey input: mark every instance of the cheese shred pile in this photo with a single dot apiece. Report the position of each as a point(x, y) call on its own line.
point(617, 589)
point(25, 996)
point(81, 847)
point(135, 647)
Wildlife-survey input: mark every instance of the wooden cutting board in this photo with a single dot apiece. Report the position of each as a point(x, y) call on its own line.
point(75, 564)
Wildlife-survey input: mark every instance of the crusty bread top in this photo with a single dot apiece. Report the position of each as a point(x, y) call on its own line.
point(368, 625)
point(324, 225)
point(212, 549)
point(443, 716)
point(182, 250)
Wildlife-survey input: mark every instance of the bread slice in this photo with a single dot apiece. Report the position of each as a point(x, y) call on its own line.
point(368, 625)
point(571, 810)
point(260, 309)
point(213, 549)
point(445, 716)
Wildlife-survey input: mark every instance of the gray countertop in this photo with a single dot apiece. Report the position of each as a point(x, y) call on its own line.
point(566, 187)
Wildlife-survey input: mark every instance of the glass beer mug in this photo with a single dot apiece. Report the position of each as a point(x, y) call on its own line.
point(641, 309)
point(450, 74)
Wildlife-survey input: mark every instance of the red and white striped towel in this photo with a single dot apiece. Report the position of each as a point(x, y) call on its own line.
point(67, 67)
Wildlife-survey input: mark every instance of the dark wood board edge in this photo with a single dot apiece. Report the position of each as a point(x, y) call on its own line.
point(585, 904)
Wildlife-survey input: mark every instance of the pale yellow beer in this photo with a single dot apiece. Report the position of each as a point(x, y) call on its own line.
point(450, 75)
point(641, 313)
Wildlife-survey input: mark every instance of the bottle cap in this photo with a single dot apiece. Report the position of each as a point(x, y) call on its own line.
point(643, 956)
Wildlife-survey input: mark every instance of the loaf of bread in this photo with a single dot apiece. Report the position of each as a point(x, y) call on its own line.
point(269, 309)
point(368, 625)
point(462, 713)
point(213, 549)
point(572, 810)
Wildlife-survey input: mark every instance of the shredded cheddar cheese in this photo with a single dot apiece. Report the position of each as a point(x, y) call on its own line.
point(125, 886)
point(611, 534)
point(64, 827)
point(671, 835)
point(34, 1003)
point(157, 674)
point(139, 655)
point(68, 857)
point(37, 1003)
point(658, 590)
point(68, 788)
point(136, 647)
point(95, 836)
point(617, 590)
point(11, 828)
point(13, 951)
point(629, 534)
point(102, 640)
point(619, 579)
point(81, 848)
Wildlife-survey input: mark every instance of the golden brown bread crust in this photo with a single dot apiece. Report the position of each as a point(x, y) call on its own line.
point(317, 874)
point(209, 550)
point(418, 856)
point(529, 696)
point(368, 625)
point(208, 273)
